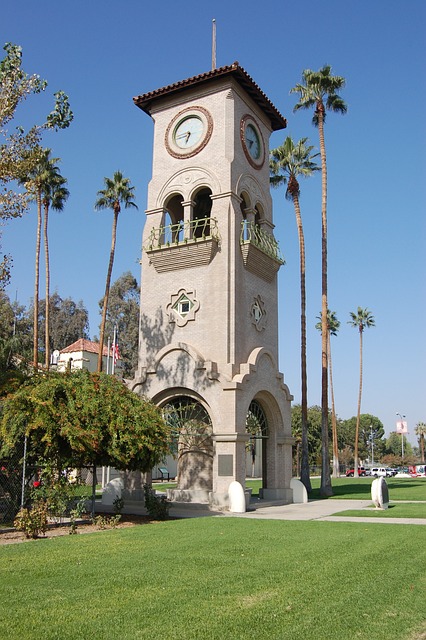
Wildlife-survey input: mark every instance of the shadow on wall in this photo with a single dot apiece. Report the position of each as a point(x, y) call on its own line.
point(175, 371)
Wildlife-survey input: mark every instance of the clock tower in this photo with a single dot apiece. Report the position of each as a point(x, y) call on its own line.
point(208, 340)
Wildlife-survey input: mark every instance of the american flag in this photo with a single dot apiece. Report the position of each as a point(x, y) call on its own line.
point(115, 353)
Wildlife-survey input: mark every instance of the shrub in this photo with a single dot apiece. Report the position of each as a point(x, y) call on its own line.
point(103, 522)
point(32, 521)
point(59, 493)
point(76, 513)
point(157, 506)
point(118, 504)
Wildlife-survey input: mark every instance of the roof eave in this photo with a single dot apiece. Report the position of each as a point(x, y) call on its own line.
point(147, 100)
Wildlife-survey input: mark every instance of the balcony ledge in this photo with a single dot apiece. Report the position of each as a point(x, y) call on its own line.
point(184, 255)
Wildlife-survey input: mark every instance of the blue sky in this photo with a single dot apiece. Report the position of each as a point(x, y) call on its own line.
point(104, 53)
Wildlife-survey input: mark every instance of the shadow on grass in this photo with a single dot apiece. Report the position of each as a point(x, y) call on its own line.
point(363, 491)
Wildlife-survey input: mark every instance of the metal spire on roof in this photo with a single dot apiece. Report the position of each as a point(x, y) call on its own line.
point(213, 44)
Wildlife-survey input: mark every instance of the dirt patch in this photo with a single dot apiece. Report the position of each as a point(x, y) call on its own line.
point(12, 536)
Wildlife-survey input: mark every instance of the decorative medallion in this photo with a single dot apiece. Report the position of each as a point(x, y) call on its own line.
point(182, 307)
point(258, 313)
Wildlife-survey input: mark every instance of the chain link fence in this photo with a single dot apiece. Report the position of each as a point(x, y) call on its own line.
point(15, 480)
point(18, 481)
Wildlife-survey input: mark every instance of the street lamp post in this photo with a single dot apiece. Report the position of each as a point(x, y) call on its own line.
point(402, 434)
point(372, 445)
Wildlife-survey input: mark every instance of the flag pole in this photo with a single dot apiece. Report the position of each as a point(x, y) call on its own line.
point(114, 347)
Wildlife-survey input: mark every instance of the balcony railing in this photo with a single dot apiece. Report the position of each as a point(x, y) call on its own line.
point(191, 231)
point(251, 233)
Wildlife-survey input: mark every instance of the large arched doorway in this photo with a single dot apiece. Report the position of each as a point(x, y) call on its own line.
point(257, 428)
point(192, 442)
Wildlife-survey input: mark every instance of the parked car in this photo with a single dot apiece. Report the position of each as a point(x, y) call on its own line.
point(383, 472)
point(361, 472)
point(391, 472)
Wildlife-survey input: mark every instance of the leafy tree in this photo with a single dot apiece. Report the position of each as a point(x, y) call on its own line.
point(420, 431)
point(394, 447)
point(333, 325)
point(69, 321)
point(20, 150)
point(286, 164)
point(118, 191)
point(5, 270)
point(360, 320)
point(313, 429)
point(320, 91)
point(369, 426)
point(13, 371)
point(82, 419)
point(123, 313)
point(15, 344)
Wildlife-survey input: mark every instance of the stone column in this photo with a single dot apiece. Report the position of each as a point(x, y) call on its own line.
point(188, 207)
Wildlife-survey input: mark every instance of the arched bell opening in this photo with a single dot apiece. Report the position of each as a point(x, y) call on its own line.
point(192, 442)
point(258, 215)
point(173, 224)
point(201, 213)
point(256, 455)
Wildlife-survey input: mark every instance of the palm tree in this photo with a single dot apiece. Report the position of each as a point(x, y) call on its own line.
point(333, 325)
point(287, 163)
point(320, 90)
point(117, 191)
point(361, 319)
point(54, 195)
point(33, 183)
point(420, 432)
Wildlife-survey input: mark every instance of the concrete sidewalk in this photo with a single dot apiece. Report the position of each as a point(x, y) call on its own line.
point(320, 510)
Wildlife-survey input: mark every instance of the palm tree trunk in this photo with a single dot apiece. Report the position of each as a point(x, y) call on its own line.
point(107, 287)
point(336, 467)
point(46, 254)
point(304, 475)
point(37, 280)
point(326, 488)
point(358, 415)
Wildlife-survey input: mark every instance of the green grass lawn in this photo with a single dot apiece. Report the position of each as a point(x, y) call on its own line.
point(218, 578)
point(396, 510)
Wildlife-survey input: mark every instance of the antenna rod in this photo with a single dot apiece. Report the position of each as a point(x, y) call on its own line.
point(213, 44)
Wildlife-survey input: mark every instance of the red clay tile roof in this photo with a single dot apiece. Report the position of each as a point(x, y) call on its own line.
point(234, 70)
point(84, 345)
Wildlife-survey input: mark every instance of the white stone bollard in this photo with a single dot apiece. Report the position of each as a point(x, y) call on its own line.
point(111, 491)
point(237, 499)
point(300, 495)
point(380, 493)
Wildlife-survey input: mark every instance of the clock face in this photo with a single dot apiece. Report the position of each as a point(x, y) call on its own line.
point(189, 132)
point(252, 141)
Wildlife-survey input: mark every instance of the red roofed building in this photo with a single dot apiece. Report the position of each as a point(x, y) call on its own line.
point(83, 354)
